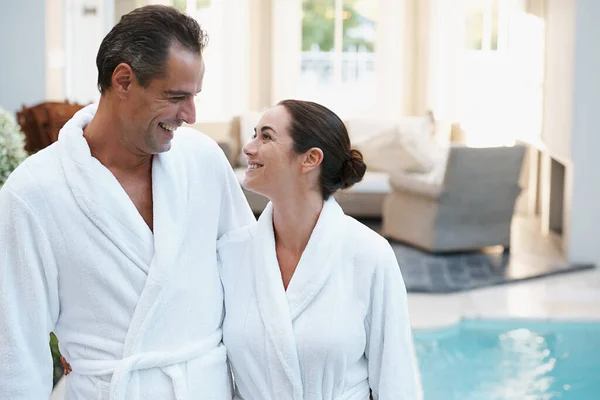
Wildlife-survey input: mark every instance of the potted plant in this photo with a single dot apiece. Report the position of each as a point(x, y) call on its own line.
point(12, 141)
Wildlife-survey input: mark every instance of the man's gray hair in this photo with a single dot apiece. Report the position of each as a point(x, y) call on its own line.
point(142, 40)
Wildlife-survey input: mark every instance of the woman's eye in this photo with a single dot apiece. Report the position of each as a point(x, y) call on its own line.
point(253, 135)
point(266, 136)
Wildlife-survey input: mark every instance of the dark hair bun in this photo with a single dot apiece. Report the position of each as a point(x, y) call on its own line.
point(353, 170)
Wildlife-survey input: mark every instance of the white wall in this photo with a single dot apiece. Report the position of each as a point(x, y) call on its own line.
point(55, 50)
point(570, 132)
point(22, 53)
point(260, 56)
point(584, 231)
point(558, 98)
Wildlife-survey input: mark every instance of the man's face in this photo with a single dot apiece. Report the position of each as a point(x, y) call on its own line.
point(152, 114)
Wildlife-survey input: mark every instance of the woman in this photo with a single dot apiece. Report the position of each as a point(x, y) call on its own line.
point(316, 307)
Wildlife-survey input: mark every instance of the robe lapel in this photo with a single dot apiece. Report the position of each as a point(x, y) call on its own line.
point(279, 308)
point(318, 259)
point(100, 196)
point(274, 311)
point(170, 205)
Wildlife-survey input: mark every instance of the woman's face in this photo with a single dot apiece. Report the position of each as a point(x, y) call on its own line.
point(273, 167)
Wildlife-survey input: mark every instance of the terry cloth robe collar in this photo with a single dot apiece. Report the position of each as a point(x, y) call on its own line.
point(278, 307)
point(102, 198)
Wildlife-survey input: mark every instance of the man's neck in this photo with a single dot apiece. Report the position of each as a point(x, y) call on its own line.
point(104, 135)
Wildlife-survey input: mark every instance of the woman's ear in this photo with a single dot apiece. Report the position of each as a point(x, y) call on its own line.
point(312, 159)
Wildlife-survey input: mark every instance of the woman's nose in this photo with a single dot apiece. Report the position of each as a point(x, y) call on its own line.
point(249, 148)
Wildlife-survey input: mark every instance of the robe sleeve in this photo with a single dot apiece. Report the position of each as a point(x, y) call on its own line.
point(392, 365)
point(235, 211)
point(28, 302)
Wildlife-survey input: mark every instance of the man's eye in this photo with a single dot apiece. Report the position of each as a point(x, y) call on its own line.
point(177, 99)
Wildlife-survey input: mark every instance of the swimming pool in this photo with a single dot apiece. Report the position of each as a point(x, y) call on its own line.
point(506, 360)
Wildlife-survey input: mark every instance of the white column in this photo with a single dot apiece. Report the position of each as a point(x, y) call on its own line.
point(236, 48)
point(55, 50)
point(393, 58)
point(445, 58)
point(584, 227)
point(260, 54)
point(286, 48)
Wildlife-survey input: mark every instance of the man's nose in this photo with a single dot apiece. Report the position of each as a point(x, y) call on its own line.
point(187, 111)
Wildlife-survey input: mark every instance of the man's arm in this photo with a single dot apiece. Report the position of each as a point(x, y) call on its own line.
point(28, 302)
point(235, 210)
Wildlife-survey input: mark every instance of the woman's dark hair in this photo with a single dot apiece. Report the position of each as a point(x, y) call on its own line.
point(313, 125)
point(142, 39)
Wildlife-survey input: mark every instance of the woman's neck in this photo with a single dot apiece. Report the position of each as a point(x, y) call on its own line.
point(294, 220)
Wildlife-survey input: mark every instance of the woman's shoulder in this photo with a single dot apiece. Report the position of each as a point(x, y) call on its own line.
point(371, 253)
point(364, 239)
point(237, 237)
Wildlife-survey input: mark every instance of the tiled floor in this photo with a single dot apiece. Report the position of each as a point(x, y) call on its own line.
point(573, 296)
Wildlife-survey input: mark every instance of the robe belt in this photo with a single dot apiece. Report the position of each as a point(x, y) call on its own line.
point(121, 370)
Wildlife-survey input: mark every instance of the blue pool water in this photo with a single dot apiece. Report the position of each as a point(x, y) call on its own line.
point(506, 360)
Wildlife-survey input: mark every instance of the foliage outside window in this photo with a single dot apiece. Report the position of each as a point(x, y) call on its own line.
point(318, 26)
point(338, 54)
point(184, 5)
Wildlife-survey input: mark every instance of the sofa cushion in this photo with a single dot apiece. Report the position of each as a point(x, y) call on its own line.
point(373, 183)
point(405, 145)
point(417, 137)
point(386, 152)
point(428, 185)
point(360, 129)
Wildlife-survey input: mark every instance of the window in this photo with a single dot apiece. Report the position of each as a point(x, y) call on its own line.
point(503, 68)
point(338, 55)
point(224, 89)
point(482, 24)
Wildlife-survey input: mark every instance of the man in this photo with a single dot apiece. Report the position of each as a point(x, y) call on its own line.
point(108, 237)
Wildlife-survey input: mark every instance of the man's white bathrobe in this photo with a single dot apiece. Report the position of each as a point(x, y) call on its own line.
point(137, 313)
point(340, 330)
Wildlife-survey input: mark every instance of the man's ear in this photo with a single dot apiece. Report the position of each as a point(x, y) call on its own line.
point(312, 159)
point(122, 78)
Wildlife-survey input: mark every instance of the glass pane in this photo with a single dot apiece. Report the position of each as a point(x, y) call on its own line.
point(495, 25)
point(359, 25)
point(318, 22)
point(358, 59)
point(209, 13)
point(474, 24)
point(338, 78)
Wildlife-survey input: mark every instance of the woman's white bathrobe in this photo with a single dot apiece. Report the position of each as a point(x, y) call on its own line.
point(339, 330)
point(137, 313)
